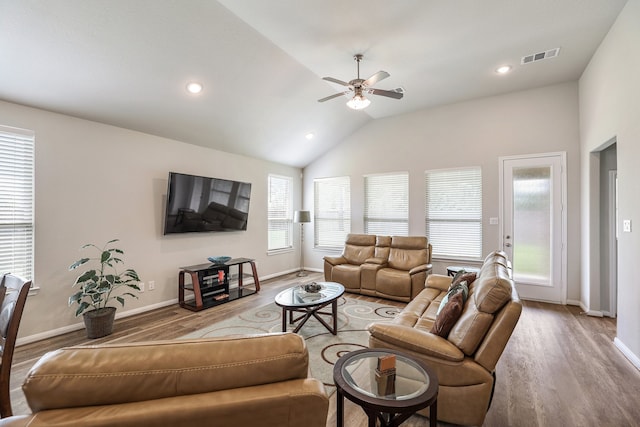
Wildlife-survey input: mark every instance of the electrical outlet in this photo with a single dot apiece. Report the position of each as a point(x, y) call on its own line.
point(141, 286)
point(152, 285)
point(626, 226)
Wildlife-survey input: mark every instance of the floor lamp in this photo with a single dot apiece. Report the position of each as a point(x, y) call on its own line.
point(301, 217)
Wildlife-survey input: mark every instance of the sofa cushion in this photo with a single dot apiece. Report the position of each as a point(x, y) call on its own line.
point(348, 275)
point(88, 376)
point(449, 315)
point(358, 248)
point(383, 244)
point(493, 288)
point(408, 252)
point(390, 281)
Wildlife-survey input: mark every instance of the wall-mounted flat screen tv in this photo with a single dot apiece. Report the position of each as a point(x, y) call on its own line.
point(201, 204)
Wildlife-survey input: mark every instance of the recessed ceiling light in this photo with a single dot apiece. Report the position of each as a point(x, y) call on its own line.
point(194, 87)
point(504, 69)
point(310, 135)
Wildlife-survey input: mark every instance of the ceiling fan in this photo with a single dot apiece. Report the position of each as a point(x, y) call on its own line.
point(359, 87)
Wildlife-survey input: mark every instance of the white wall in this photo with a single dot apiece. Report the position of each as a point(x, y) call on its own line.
point(464, 134)
point(96, 182)
point(609, 108)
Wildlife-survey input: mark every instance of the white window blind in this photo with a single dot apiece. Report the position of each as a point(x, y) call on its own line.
point(280, 216)
point(332, 215)
point(454, 212)
point(386, 207)
point(16, 202)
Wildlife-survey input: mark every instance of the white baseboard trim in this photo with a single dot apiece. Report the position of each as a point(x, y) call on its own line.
point(627, 353)
point(76, 326)
point(119, 315)
point(585, 309)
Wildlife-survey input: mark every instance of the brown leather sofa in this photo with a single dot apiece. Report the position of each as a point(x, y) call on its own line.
point(465, 361)
point(381, 266)
point(256, 380)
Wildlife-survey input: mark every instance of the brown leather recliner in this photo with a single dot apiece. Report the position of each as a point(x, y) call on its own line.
point(381, 266)
point(465, 361)
point(259, 380)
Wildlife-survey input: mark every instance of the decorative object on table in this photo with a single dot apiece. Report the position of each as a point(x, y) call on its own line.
point(219, 259)
point(386, 375)
point(97, 286)
point(301, 217)
point(313, 287)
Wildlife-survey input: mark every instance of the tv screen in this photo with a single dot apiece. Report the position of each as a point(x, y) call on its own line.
point(201, 204)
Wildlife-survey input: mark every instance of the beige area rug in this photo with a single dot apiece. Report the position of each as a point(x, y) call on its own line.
point(324, 348)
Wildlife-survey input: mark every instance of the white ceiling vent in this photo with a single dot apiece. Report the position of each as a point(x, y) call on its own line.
point(540, 56)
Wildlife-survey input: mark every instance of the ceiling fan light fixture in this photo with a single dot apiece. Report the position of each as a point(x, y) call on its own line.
point(358, 102)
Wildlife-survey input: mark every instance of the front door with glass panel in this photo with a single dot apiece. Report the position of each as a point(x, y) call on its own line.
point(533, 224)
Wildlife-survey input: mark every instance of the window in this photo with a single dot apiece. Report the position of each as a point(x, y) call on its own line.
point(454, 212)
point(332, 216)
point(279, 213)
point(16, 202)
point(386, 204)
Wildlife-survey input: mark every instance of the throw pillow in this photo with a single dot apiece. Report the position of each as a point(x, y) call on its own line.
point(448, 316)
point(458, 288)
point(463, 276)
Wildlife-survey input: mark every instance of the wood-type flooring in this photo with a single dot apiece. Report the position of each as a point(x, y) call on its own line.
point(560, 367)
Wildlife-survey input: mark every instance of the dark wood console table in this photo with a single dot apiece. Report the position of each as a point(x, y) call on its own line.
point(210, 284)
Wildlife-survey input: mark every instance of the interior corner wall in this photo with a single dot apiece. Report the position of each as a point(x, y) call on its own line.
point(609, 105)
point(95, 182)
point(471, 133)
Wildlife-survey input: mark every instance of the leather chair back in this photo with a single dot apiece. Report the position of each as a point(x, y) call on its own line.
point(408, 252)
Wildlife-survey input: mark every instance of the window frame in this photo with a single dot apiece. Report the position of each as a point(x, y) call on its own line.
point(17, 163)
point(339, 214)
point(285, 217)
point(381, 191)
point(463, 189)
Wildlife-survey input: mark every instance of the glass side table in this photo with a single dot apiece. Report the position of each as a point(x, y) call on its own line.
point(415, 387)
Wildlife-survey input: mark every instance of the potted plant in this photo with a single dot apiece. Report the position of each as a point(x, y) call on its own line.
point(97, 286)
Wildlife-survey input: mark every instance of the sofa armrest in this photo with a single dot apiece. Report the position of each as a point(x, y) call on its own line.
point(335, 260)
point(121, 373)
point(418, 269)
point(438, 281)
point(416, 340)
point(377, 261)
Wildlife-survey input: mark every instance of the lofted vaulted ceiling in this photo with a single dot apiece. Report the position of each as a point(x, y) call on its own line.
point(127, 62)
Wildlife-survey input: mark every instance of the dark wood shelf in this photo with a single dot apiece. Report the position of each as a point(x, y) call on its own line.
point(205, 284)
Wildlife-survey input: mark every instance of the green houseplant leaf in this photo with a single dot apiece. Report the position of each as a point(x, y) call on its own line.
point(102, 282)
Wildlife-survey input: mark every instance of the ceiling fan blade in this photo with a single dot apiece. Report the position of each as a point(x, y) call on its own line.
point(331, 79)
point(396, 93)
point(376, 78)
point(333, 96)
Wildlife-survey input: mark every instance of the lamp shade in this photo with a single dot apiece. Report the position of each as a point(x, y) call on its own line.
point(302, 216)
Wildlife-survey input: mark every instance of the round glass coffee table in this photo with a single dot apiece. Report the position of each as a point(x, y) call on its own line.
point(415, 386)
point(299, 300)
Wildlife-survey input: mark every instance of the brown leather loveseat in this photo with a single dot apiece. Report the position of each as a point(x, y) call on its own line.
point(381, 266)
point(258, 380)
point(465, 359)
